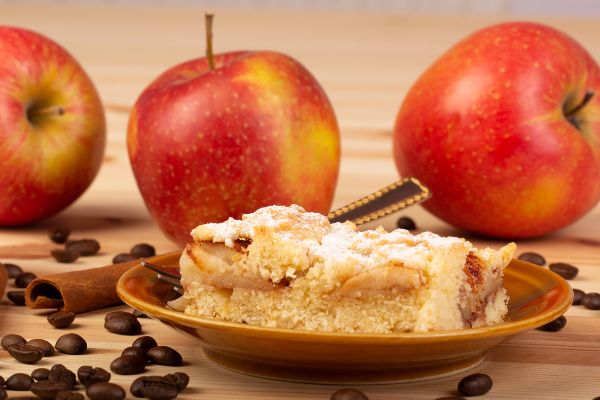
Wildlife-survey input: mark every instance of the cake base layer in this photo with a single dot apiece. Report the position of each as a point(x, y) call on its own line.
point(297, 309)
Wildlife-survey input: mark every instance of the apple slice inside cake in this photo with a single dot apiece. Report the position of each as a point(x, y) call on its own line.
point(287, 268)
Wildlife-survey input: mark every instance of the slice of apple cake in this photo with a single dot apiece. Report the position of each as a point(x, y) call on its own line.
point(287, 268)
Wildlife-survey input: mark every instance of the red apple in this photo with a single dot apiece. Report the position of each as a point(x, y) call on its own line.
point(207, 144)
point(504, 128)
point(52, 128)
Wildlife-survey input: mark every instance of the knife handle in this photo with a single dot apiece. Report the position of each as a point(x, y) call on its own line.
point(385, 201)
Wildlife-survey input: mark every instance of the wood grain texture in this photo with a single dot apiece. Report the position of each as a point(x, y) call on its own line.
point(366, 64)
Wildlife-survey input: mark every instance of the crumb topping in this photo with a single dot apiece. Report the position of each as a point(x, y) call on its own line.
point(305, 243)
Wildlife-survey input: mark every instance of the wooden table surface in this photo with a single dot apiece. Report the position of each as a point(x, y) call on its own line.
point(366, 64)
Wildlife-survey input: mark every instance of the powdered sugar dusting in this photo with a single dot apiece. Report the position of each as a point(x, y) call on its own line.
point(329, 244)
point(226, 232)
point(293, 222)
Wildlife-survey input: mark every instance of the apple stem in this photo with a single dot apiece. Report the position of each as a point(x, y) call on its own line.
point(36, 113)
point(208, 19)
point(571, 115)
point(586, 99)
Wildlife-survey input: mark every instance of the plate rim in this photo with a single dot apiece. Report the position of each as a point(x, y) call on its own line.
point(505, 329)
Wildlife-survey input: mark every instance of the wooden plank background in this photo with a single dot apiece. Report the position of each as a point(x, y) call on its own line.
point(366, 63)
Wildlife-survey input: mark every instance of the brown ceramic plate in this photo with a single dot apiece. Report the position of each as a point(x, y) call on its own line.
point(537, 296)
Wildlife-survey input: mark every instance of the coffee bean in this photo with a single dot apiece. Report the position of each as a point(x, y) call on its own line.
point(533, 258)
point(182, 380)
point(117, 314)
point(25, 353)
point(578, 296)
point(566, 271)
point(591, 301)
point(159, 390)
point(49, 389)
point(123, 257)
point(68, 395)
point(3, 394)
point(71, 343)
point(19, 382)
point(105, 391)
point(348, 394)
point(17, 297)
point(128, 365)
point(61, 319)
point(475, 385)
point(137, 386)
point(59, 235)
point(171, 378)
point(143, 250)
point(164, 355)
point(554, 326)
point(40, 374)
point(59, 372)
point(122, 323)
point(24, 279)
point(406, 223)
point(11, 340)
point(88, 375)
point(144, 343)
point(13, 270)
point(139, 314)
point(154, 388)
point(132, 351)
point(85, 247)
point(64, 256)
point(45, 347)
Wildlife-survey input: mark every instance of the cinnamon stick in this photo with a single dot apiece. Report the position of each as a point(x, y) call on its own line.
point(3, 279)
point(78, 291)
